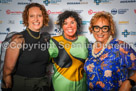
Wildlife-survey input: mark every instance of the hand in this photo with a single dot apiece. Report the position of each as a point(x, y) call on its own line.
point(126, 86)
point(7, 82)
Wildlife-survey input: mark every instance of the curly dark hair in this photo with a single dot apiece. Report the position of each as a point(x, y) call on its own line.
point(26, 12)
point(66, 14)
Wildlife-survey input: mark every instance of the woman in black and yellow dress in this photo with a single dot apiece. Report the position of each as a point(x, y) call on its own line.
point(69, 53)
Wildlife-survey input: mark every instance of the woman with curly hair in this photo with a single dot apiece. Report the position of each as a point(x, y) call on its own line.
point(110, 59)
point(25, 66)
point(69, 53)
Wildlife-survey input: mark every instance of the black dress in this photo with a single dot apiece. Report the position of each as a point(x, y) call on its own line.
point(30, 70)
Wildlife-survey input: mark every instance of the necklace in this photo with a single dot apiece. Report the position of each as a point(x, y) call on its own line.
point(32, 34)
point(94, 46)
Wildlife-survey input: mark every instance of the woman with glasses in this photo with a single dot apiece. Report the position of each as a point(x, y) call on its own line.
point(109, 59)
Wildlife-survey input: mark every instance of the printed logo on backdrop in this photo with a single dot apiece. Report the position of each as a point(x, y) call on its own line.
point(11, 21)
point(102, 1)
point(135, 11)
point(13, 12)
point(55, 32)
point(90, 11)
point(126, 33)
point(78, 11)
point(123, 22)
point(85, 22)
point(6, 32)
point(52, 2)
point(21, 22)
point(24, 3)
point(114, 11)
point(118, 11)
point(127, 1)
point(5, 1)
point(53, 12)
point(77, 2)
point(83, 32)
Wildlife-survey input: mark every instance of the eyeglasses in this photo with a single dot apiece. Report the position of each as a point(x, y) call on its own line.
point(103, 28)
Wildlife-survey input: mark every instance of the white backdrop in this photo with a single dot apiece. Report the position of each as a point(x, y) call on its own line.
point(123, 11)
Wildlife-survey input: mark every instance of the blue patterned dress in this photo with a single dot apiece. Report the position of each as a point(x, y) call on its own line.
point(110, 69)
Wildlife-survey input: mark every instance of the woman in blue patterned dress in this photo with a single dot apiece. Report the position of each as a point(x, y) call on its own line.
point(109, 59)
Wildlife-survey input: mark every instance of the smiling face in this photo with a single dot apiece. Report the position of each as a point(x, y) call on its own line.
point(70, 27)
point(101, 36)
point(35, 19)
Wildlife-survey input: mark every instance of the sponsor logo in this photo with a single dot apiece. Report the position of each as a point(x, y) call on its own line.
point(97, 2)
point(83, 32)
point(122, 11)
point(23, 3)
point(114, 11)
point(102, 1)
point(13, 12)
point(51, 12)
point(78, 11)
point(85, 22)
point(47, 2)
point(11, 22)
point(57, 30)
point(77, 2)
point(126, 33)
point(135, 11)
point(91, 11)
point(119, 11)
point(21, 22)
point(123, 22)
point(6, 32)
point(127, 1)
point(5, 1)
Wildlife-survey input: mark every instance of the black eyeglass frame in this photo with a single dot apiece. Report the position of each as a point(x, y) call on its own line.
point(101, 28)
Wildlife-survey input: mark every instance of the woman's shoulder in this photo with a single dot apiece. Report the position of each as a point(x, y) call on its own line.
point(18, 38)
point(82, 38)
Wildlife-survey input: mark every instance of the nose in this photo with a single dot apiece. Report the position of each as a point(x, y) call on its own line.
point(100, 30)
point(36, 18)
point(69, 25)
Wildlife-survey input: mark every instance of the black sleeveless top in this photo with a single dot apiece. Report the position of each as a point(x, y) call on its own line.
point(34, 56)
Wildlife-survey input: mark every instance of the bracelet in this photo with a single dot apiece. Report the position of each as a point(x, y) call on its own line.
point(132, 82)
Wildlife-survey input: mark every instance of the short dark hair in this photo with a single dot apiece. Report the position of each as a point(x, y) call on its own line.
point(67, 14)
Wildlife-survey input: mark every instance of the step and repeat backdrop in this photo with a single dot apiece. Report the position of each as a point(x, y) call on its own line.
point(123, 11)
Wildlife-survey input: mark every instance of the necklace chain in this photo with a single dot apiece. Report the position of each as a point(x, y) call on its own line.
point(97, 55)
point(32, 34)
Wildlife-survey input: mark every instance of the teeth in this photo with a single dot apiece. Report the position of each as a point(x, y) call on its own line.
point(36, 23)
point(70, 30)
point(100, 35)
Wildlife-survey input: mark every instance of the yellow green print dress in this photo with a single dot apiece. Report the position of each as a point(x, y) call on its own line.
point(68, 61)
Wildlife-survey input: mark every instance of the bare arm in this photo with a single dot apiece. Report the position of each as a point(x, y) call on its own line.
point(126, 86)
point(11, 56)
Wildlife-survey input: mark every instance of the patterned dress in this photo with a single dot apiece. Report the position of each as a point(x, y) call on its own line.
point(68, 61)
point(110, 69)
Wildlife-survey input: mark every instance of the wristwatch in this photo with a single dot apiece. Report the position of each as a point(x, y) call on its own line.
point(132, 82)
